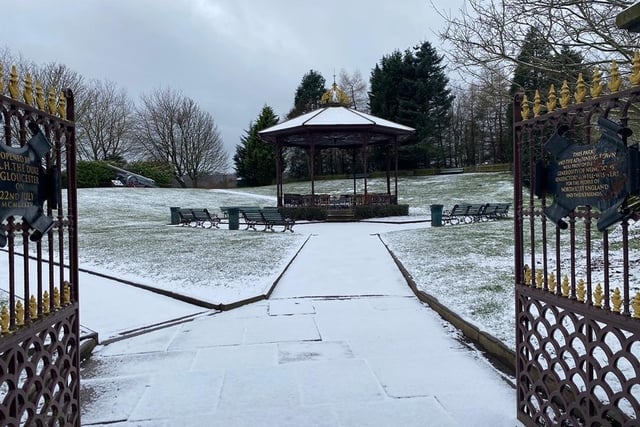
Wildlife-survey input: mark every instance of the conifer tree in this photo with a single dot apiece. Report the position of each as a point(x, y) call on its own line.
point(411, 88)
point(254, 159)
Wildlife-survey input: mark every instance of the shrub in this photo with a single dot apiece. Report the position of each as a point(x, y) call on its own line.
point(94, 174)
point(161, 173)
point(361, 212)
point(378, 211)
point(309, 213)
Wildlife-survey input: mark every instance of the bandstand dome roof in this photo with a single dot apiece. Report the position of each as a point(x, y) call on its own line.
point(335, 126)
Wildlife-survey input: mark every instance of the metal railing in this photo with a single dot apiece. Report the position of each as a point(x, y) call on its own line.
point(577, 332)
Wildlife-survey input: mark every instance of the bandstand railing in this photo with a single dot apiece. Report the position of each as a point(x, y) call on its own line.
point(338, 201)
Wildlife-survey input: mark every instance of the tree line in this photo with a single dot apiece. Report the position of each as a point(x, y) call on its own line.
point(497, 48)
point(166, 135)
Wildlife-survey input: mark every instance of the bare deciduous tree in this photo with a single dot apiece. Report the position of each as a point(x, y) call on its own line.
point(51, 76)
point(172, 128)
point(356, 87)
point(57, 76)
point(104, 130)
point(479, 130)
point(488, 33)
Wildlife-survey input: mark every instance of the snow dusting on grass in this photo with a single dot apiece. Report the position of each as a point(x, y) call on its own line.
point(126, 233)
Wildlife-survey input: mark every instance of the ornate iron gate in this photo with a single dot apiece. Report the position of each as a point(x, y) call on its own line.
point(577, 301)
point(39, 322)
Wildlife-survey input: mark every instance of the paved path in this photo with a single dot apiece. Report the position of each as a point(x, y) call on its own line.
point(334, 346)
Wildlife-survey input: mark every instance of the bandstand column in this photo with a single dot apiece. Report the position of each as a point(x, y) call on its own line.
point(365, 164)
point(395, 150)
point(388, 164)
point(279, 190)
point(312, 151)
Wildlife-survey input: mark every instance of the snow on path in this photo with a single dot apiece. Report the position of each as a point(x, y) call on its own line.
point(341, 342)
point(343, 259)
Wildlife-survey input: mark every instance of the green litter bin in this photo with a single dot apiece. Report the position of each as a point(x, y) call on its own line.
point(436, 215)
point(234, 218)
point(175, 216)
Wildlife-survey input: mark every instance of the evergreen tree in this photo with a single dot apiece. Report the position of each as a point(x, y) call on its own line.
point(384, 97)
point(308, 97)
point(411, 89)
point(308, 94)
point(534, 73)
point(254, 159)
point(527, 75)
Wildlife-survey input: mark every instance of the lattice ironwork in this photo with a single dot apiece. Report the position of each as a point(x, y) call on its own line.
point(573, 369)
point(577, 305)
point(39, 310)
point(39, 374)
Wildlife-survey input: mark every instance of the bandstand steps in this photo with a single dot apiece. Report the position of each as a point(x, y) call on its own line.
point(340, 215)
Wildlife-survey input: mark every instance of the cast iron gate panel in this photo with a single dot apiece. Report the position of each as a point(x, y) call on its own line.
point(39, 323)
point(577, 309)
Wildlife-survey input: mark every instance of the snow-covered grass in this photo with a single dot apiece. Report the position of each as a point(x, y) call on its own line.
point(418, 192)
point(469, 268)
point(125, 233)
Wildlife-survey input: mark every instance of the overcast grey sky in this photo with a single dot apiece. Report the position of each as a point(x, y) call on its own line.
point(231, 56)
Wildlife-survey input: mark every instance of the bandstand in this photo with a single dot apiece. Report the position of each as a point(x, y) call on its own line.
point(336, 126)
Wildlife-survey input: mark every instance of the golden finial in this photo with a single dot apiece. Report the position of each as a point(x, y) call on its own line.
point(525, 108)
point(33, 308)
point(39, 96)
point(1, 79)
point(66, 293)
point(565, 95)
point(553, 100)
point(565, 286)
point(596, 86)
point(615, 81)
point(636, 306)
point(27, 93)
point(582, 291)
point(537, 104)
point(335, 96)
point(616, 299)
point(4, 320)
point(19, 314)
point(598, 296)
point(56, 298)
point(634, 78)
point(51, 101)
point(552, 282)
point(539, 279)
point(62, 105)
point(581, 90)
point(527, 275)
point(14, 90)
point(45, 302)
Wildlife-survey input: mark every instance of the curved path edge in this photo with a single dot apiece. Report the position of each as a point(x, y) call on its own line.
point(496, 350)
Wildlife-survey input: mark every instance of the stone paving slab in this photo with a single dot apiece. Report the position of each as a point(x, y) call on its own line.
point(290, 306)
point(369, 355)
point(121, 393)
point(179, 394)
